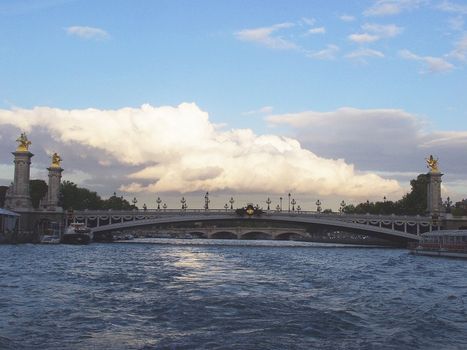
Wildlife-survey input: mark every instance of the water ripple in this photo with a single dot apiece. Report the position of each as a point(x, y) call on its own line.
point(187, 296)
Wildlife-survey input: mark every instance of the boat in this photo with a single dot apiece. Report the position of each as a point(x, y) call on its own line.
point(50, 239)
point(77, 233)
point(445, 243)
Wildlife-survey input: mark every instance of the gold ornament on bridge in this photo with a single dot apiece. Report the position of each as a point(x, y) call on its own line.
point(56, 159)
point(23, 143)
point(432, 164)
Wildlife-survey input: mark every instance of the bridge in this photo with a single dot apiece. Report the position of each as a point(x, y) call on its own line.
point(396, 229)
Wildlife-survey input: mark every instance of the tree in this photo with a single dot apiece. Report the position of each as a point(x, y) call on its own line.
point(117, 203)
point(37, 190)
point(413, 203)
point(74, 197)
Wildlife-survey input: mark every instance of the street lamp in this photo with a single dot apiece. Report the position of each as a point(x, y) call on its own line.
point(206, 201)
point(183, 201)
point(164, 206)
point(281, 202)
point(134, 201)
point(145, 207)
point(318, 206)
point(278, 208)
point(289, 202)
point(299, 209)
point(268, 201)
point(226, 206)
point(342, 207)
point(231, 201)
point(158, 201)
point(293, 204)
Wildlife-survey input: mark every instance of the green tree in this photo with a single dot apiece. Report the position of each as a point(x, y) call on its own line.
point(414, 203)
point(117, 203)
point(37, 190)
point(74, 197)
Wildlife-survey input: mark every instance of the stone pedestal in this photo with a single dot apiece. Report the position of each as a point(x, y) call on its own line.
point(50, 202)
point(434, 201)
point(18, 196)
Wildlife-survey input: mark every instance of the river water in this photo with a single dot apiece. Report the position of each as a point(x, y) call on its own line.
point(223, 296)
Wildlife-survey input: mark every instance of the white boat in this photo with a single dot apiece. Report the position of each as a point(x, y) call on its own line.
point(77, 233)
point(49, 239)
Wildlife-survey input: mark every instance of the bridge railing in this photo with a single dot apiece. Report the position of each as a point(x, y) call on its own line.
point(412, 224)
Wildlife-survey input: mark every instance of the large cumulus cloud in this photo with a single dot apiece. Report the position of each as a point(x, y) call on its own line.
point(177, 149)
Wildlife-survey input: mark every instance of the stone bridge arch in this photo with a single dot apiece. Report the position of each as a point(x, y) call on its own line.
point(223, 235)
point(290, 235)
point(256, 234)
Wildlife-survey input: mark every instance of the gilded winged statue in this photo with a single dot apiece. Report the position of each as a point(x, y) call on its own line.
point(432, 164)
point(23, 143)
point(56, 159)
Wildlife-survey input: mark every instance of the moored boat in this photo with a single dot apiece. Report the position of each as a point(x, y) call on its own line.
point(77, 233)
point(446, 243)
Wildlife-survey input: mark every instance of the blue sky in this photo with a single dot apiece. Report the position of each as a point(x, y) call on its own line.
point(255, 65)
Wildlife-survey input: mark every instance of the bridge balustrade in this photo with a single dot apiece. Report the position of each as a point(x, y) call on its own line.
point(408, 224)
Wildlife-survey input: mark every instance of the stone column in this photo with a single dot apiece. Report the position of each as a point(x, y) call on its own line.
point(52, 197)
point(50, 202)
point(434, 201)
point(18, 197)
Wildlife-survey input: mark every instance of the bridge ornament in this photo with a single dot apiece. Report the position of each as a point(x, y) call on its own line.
point(249, 210)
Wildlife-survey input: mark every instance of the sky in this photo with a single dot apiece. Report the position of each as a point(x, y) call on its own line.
point(330, 100)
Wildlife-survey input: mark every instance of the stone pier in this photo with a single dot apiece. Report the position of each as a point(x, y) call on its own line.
point(18, 197)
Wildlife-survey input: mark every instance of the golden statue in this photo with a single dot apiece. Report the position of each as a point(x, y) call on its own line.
point(56, 159)
point(24, 143)
point(432, 164)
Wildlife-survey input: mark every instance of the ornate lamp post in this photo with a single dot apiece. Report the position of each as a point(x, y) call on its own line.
point(299, 209)
point(268, 202)
point(206, 201)
point(342, 207)
point(280, 198)
point(318, 206)
point(278, 208)
point(183, 201)
point(289, 201)
point(226, 206)
point(134, 201)
point(293, 204)
point(145, 207)
point(158, 201)
point(164, 206)
point(231, 201)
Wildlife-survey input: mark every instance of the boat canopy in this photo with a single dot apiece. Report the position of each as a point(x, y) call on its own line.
point(8, 220)
point(443, 233)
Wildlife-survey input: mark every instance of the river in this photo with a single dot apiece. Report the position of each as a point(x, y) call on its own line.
point(218, 295)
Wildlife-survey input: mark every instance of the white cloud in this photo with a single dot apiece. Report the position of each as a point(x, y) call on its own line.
point(453, 7)
point(383, 31)
point(264, 36)
point(365, 52)
point(178, 149)
point(385, 141)
point(329, 53)
point(375, 32)
point(460, 50)
point(262, 110)
point(363, 38)
point(87, 32)
point(391, 7)
point(433, 64)
point(456, 23)
point(347, 18)
point(317, 30)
